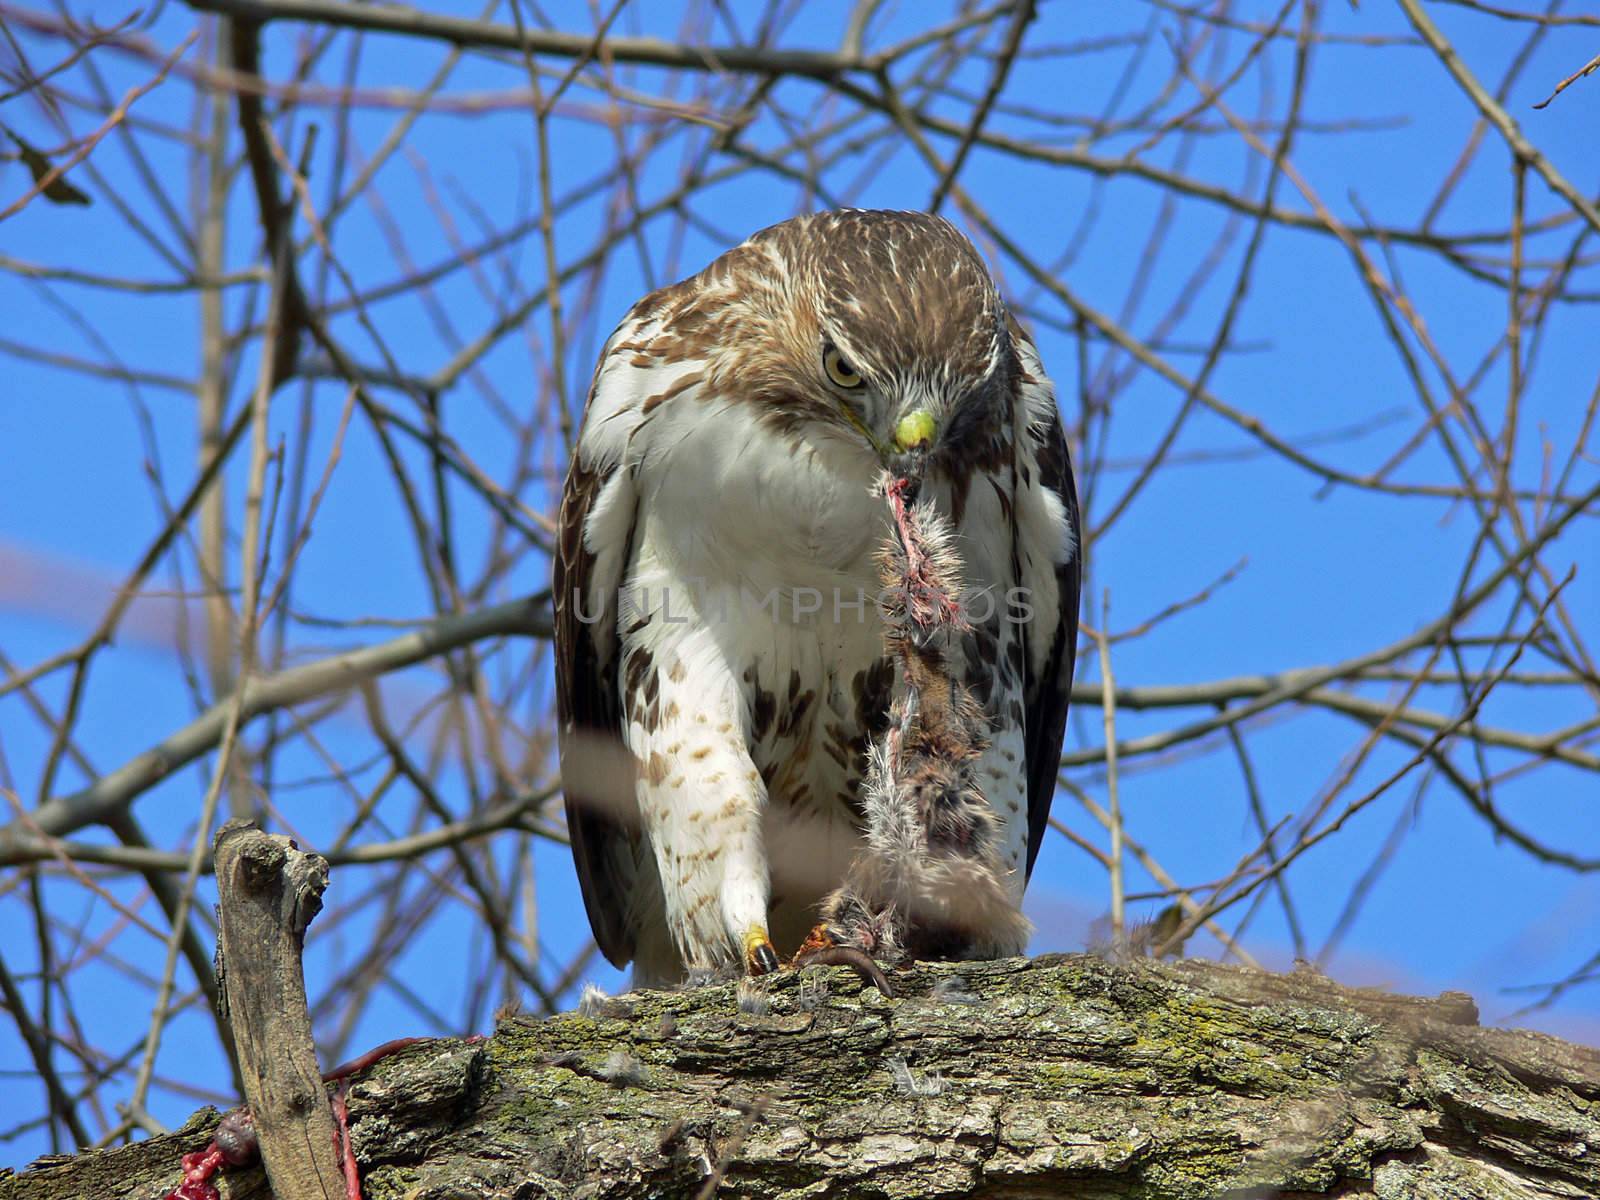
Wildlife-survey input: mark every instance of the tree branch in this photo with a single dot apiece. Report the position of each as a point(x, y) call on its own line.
point(95, 803)
point(490, 35)
point(1063, 1075)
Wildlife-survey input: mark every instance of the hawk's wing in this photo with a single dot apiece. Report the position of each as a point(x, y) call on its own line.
point(599, 512)
point(588, 710)
point(1048, 685)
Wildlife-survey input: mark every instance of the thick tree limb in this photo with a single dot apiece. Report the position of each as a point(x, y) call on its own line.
point(1011, 1078)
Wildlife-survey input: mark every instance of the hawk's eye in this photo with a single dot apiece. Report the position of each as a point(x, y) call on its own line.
point(839, 369)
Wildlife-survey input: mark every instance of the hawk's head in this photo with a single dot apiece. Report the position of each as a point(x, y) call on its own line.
point(882, 329)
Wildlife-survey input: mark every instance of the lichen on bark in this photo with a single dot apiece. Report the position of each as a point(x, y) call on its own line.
point(1059, 1075)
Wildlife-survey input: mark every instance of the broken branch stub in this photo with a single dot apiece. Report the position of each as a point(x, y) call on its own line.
point(269, 890)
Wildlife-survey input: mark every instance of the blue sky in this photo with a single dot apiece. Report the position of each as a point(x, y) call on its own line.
point(1326, 576)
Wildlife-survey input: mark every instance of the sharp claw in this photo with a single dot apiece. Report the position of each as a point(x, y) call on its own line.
point(856, 959)
point(820, 949)
point(759, 956)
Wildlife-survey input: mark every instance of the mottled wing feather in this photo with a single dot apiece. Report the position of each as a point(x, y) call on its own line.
point(590, 715)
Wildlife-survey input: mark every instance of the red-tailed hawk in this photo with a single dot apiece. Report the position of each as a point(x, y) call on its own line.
point(717, 578)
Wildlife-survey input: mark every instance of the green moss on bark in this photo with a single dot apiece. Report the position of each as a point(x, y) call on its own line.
point(1064, 1074)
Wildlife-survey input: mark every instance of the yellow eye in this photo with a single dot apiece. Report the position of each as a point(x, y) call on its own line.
point(839, 370)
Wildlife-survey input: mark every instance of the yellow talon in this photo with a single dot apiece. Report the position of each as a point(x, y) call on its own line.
point(759, 956)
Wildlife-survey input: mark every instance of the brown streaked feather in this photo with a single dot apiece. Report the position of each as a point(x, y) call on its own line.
point(910, 303)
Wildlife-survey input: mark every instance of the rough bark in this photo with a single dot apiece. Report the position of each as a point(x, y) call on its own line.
point(269, 891)
point(1065, 1075)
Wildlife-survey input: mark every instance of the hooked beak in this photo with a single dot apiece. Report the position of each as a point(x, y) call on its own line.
point(915, 431)
point(914, 438)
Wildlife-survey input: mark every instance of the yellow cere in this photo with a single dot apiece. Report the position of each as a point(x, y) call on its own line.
point(915, 429)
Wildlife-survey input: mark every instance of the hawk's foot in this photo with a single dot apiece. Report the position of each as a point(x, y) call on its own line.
point(759, 956)
point(820, 938)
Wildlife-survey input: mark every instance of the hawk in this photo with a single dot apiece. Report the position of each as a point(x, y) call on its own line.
point(716, 629)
